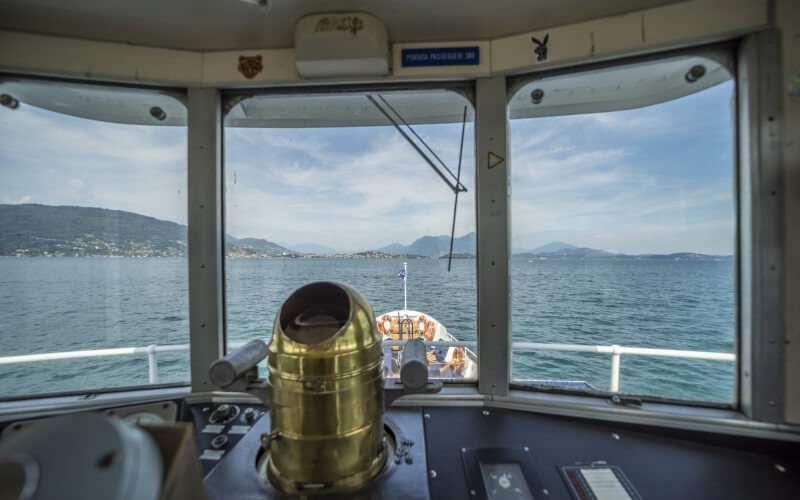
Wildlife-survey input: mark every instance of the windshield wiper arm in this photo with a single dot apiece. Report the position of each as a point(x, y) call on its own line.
point(458, 180)
point(455, 187)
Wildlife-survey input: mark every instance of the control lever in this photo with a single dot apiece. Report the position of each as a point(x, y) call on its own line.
point(413, 374)
point(238, 371)
point(235, 371)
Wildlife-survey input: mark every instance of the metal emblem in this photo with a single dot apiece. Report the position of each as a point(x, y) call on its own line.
point(541, 47)
point(353, 24)
point(250, 66)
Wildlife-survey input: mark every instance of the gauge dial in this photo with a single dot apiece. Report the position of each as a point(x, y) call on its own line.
point(505, 481)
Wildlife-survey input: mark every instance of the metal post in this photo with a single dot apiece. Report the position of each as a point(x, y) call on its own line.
point(152, 363)
point(206, 242)
point(616, 353)
point(405, 281)
point(493, 221)
point(761, 237)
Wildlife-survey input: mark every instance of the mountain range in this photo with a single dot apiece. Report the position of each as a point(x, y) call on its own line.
point(35, 230)
point(434, 246)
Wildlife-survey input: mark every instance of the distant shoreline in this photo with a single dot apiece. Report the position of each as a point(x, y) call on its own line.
point(654, 257)
point(32, 230)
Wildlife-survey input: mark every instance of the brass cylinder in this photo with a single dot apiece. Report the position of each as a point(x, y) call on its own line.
point(325, 392)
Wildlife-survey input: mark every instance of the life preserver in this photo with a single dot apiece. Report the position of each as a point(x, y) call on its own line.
point(382, 324)
point(459, 359)
point(430, 330)
point(422, 324)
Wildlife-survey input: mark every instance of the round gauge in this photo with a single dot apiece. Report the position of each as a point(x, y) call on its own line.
point(143, 417)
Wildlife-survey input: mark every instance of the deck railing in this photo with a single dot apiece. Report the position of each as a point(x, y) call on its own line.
point(615, 351)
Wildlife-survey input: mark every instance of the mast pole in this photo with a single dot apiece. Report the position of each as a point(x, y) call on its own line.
point(405, 292)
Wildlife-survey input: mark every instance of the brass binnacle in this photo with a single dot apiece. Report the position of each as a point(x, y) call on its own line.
point(325, 392)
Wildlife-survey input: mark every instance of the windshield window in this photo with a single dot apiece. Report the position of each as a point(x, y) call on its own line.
point(325, 188)
point(623, 232)
point(92, 240)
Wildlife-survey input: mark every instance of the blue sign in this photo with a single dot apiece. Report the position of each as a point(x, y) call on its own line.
point(442, 56)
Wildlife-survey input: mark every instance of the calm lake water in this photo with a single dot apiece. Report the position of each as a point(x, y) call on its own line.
point(64, 304)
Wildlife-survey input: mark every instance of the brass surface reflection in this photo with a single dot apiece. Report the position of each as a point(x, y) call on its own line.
point(325, 392)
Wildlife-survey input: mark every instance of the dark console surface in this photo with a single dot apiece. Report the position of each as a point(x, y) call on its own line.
point(220, 427)
point(476, 452)
point(485, 453)
point(567, 456)
point(234, 475)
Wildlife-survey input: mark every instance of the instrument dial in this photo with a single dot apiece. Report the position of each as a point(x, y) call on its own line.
point(505, 481)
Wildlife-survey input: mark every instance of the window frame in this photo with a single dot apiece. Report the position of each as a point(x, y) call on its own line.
point(229, 98)
point(7, 403)
point(760, 259)
point(759, 226)
point(726, 55)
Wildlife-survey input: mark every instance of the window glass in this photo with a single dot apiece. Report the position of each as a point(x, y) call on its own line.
point(623, 230)
point(92, 238)
point(323, 187)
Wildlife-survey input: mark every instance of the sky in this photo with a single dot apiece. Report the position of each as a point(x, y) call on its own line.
point(56, 159)
point(657, 179)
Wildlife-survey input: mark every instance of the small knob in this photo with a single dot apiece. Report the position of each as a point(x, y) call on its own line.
point(249, 415)
point(219, 442)
point(224, 410)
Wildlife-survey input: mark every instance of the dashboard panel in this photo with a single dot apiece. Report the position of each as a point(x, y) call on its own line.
point(489, 453)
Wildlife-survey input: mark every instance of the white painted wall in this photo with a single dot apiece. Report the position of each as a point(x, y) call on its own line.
point(663, 27)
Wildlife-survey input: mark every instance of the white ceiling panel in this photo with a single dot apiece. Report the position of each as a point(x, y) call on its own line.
point(238, 25)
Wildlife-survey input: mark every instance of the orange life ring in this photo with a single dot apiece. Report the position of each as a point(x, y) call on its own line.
point(422, 325)
point(382, 324)
point(430, 330)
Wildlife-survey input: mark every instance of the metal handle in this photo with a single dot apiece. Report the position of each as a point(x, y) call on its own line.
point(225, 371)
point(414, 371)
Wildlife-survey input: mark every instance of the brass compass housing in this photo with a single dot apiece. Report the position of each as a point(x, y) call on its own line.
point(325, 392)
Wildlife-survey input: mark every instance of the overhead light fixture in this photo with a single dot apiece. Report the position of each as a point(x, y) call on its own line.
point(695, 73)
point(158, 113)
point(341, 45)
point(8, 101)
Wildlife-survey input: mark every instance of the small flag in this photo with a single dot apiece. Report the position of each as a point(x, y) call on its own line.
point(401, 273)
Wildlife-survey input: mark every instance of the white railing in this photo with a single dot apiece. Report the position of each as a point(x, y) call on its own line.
point(615, 351)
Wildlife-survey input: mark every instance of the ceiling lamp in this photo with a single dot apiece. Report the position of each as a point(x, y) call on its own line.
point(341, 45)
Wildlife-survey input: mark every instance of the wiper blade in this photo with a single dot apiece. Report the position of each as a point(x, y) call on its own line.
point(458, 180)
point(456, 186)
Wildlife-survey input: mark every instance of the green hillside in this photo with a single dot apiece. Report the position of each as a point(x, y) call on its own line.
point(37, 230)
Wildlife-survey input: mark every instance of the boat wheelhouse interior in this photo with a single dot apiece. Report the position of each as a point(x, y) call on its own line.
point(455, 249)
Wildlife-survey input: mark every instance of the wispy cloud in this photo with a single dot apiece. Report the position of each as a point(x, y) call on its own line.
point(647, 180)
point(658, 179)
point(63, 160)
point(373, 193)
point(22, 199)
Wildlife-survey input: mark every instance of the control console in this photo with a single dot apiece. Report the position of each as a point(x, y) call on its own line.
point(220, 426)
